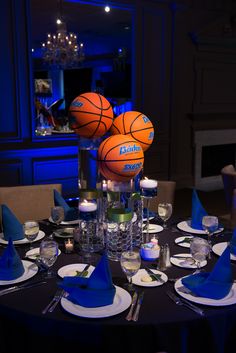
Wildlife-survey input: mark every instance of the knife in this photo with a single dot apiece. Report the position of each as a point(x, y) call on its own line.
point(84, 270)
point(185, 302)
point(136, 313)
point(134, 301)
point(156, 276)
point(22, 286)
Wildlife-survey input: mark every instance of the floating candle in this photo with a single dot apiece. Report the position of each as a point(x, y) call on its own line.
point(69, 245)
point(87, 206)
point(148, 183)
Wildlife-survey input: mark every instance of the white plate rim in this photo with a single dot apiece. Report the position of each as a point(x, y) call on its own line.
point(184, 245)
point(76, 221)
point(157, 229)
point(40, 236)
point(76, 267)
point(176, 261)
point(58, 235)
point(31, 270)
point(184, 226)
point(138, 282)
point(219, 248)
point(99, 312)
point(35, 251)
point(230, 299)
point(150, 218)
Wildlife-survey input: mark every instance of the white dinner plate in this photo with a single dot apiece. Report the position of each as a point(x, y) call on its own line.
point(186, 227)
point(228, 300)
point(219, 248)
point(122, 301)
point(67, 232)
point(30, 270)
point(183, 263)
point(70, 270)
point(34, 253)
point(137, 279)
point(153, 228)
point(180, 241)
point(76, 221)
point(40, 236)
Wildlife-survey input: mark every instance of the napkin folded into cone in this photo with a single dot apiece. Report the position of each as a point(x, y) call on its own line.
point(12, 228)
point(215, 284)
point(233, 243)
point(198, 212)
point(11, 266)
point(95, 291)
point(71, 213)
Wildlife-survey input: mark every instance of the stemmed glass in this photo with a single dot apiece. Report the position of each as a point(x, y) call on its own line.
point(199, 249)
point(164, 212)
point(31, 230)
point(130, 263)
point(57, 214)
point(48, 255)
point(210, 224)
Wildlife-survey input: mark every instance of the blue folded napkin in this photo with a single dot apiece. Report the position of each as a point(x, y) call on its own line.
point(198, 212)
point(97, 290)
point(10, 225)
point(151, 213)
point(11, 266)
point(71, 213)
point(215, 284)
point(233, 243)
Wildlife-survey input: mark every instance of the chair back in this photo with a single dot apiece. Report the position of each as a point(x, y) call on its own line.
point(165, 193)
point(228, 174)
point(29, 202)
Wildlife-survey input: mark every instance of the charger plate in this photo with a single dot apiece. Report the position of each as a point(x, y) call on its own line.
point(219, 248)
point(30, 270)
point(40, 236)
point(228, 300)
point(122, 301)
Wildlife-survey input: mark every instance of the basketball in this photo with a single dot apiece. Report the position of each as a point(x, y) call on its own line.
point(120, 158)
point(90, 115)
point(136, 125)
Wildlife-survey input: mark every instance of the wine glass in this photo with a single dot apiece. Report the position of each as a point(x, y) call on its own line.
point(57, 214)
point(210, 224)
point(164, 212)
point(199, 249)
point(130, 263)
point(48, 255)
point(31, 230)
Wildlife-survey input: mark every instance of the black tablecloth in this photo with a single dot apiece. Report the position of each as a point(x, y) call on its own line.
point(162, 326)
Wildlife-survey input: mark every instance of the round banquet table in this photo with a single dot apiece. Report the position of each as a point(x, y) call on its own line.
point(162, 325)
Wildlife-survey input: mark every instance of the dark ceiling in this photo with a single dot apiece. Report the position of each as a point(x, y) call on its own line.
point(100, 32)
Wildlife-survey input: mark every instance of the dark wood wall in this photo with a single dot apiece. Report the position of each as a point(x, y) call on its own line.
point(183, 66)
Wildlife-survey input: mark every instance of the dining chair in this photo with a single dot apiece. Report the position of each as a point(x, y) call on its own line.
point(228, 174)
point(29, 202)
point(165, 193)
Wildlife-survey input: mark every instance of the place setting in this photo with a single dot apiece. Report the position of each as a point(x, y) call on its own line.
point(62, 213)
point(219, 248)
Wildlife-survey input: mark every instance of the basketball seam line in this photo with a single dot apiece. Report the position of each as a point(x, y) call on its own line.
point(119, 160)
point(86, 98)
point(79, 111)
point(99, 122)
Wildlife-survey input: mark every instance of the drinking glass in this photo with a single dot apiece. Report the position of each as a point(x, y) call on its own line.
point(31, 230)
point(130, 263)
point(164, 212)
point(57, 214)
point(48, 255)
point(210, 224)
point(199, 249)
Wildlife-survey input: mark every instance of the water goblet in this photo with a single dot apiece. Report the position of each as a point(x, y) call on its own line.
point(130, 263)
point(31, 230)
point(199, 249)
point(57, 214)
point(48, 255)
point(210, 224)
point(164, 212)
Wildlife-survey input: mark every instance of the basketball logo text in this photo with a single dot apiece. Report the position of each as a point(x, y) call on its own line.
point(76, 104)
point(135, 166)
point(129, 149)
point(145, 119)
point(151, 135)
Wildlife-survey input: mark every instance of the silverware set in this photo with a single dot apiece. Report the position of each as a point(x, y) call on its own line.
point(181, 301)
point(20, 287)
point(55, 300)
point(137, 300)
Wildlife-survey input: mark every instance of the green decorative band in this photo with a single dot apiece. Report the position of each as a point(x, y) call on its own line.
point(113, 196)
point(89, 194)
point(135, 196)
point(119, 215)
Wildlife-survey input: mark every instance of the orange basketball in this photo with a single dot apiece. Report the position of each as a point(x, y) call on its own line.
point(135, 124)
point(120, 158)
point(90, 115)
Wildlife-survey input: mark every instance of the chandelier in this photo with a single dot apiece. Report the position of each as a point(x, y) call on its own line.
point(61, 50)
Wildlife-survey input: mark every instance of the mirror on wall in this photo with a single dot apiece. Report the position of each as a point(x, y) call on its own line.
point(90, 50)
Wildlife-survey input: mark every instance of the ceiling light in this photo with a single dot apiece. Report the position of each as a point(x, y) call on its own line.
point(107, 8)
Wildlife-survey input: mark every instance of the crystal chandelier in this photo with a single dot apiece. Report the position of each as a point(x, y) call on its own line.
point(61, 50)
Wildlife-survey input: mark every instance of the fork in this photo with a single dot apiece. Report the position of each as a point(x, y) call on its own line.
point(55, 299)
point(184, 302)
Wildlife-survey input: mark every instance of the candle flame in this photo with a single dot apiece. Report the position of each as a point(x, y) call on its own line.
point(146, 178)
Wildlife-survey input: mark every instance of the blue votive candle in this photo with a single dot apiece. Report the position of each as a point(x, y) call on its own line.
point(148, 187)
